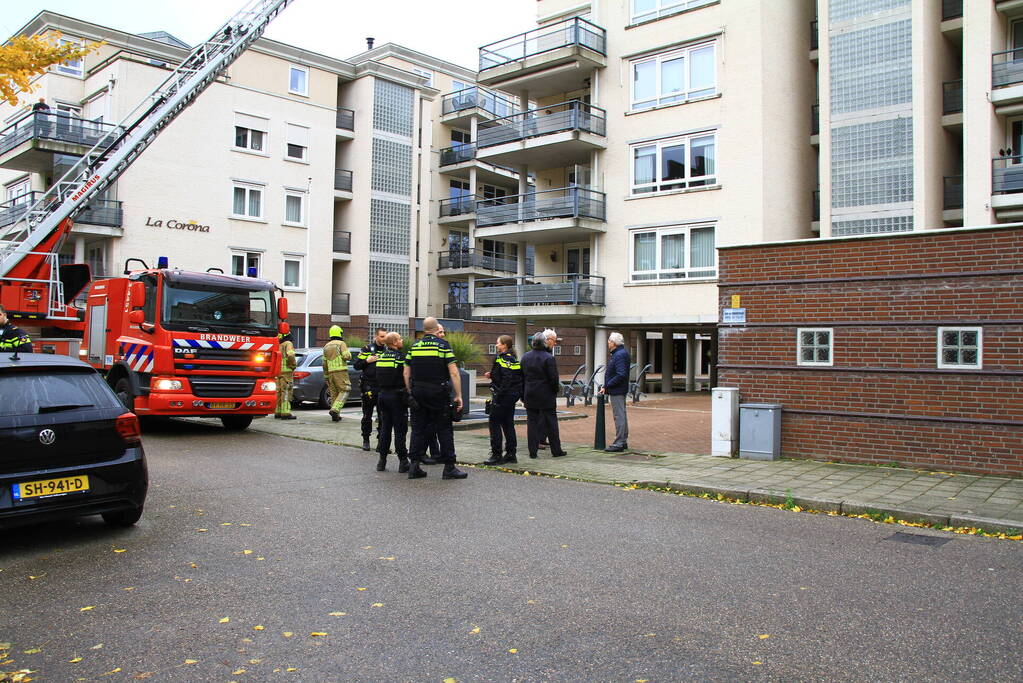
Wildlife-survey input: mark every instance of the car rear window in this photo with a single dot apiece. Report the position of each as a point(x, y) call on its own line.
point(30, 392)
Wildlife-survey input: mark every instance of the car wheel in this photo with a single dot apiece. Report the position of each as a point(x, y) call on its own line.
point(123, 390)
point(324, 397)
point(122, 518)
point(236, 423)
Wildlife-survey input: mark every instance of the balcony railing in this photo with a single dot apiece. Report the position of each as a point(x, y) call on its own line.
point(815, 119)
point(458, 206)
point(1007, 68)
point(55, 125)
point(566, 289)
point(815, 205)
point(565, 202)
point(953, 193)
point(457, 154)
point(346, 118)
point(952, 97)
point(477, 258)
point(574, 31)
point(555, 118)
point(107, 212)
point(458, 311)
point(339, 304)
point(477, 98)
point(814, 33)
point(343, 241)
point(1007, 175)
point(951, 9)
point(342, 180)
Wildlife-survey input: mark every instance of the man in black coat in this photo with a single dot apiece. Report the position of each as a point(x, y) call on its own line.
point(540, 394)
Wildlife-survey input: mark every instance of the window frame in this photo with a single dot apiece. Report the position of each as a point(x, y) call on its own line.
point(673, 7)
point(831, 347)
point(62, 68)
point(248, 148)
point(491, 349)
point(288, 144)
point(661, 232)
point(940, 348)
point(245, 255)
point(300, 260)
point(658, 60)
point(687, 182)
point(304, 70)
point(303, 209)
point(428, 75)
point(248, 188)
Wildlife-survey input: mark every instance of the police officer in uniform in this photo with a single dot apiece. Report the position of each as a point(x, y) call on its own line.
point(12, 338)
point(430, 374)
point(286, 375)
point(506, 383)
point(335, 371)
point(390, 378)
point(366, 362)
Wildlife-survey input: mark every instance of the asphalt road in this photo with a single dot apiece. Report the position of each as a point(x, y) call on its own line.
point(251, 543)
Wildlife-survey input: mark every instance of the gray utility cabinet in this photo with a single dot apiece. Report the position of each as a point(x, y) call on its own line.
point(760, 431)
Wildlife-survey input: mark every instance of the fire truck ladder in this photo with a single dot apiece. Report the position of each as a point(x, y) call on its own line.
point(113, 154)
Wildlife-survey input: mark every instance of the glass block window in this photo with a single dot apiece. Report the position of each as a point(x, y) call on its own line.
point(390, 225)
point(871, 226)
point(843, 10)
point(959, 347)
point(391, 326)
point(393, 110)
point(872, 67)
point(392, 167)
point(872, 163)
point(814, 346)
point(388, 288)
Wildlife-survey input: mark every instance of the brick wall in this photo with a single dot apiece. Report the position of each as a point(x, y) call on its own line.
point(884, 399)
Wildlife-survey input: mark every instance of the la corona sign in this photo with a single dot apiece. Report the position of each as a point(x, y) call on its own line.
point(172, 224)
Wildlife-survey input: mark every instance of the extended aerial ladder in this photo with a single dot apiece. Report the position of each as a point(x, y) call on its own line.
point(31, 285)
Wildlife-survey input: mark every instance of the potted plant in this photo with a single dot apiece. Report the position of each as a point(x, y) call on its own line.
point(467, 352)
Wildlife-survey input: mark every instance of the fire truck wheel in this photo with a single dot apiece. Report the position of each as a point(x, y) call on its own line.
point(123, 390)
point(236, 423)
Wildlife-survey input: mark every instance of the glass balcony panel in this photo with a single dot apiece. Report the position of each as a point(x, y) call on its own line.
point(564, 289)
point(566, 202)
point(574, 115)
point(574, 31)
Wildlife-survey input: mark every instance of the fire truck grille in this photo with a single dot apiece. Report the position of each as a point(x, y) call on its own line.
point(213, 354)
point(222, 387)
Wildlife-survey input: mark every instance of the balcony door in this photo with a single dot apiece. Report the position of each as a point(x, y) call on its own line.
point(1014, 144)
point(577, 260)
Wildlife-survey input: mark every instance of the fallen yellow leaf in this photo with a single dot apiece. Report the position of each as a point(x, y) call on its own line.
point(202, 530)
point(513, 650)
point(317, 633)
point(238, 671)
point(260, 558)
point(360, 589)
point(291, 668)
point(225, 524)
point(112, 671)
point(337, 614)
point(367, 547)
point(255, 661)
point(287, 634)
point(377, 604)
point(86, 609)
point(120, 550)
point(757, 663)
point(475, 630)
point(75, 660)
point(225, 620)
point(258, 627)
point(389, 559)
point(763, 636)
point(98, 646)
point(191, 661)
point(247, 552)
point(33, 651)
point(450, 680)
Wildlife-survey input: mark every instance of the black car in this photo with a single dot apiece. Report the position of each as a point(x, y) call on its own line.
point(67, 445)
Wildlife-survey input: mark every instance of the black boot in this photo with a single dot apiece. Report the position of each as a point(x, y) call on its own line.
point(452, 472)
point(494, 459)
point(402, 463)
point(429, 461)
point(382, 463)
point(510, 458)
point(415, 471)
point(365, 443)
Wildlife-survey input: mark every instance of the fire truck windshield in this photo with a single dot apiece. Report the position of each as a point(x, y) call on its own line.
point(188, 306)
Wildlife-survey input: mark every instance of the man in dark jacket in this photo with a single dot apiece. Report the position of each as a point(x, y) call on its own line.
point(366, 362)
point(616, 387)
point(540, 394)
point(12, 338)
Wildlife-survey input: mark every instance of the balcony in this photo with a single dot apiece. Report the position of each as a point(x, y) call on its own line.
point(29, 143)
point(459, 106)
point(1006, 79)
point(551, 136)
point(1007, 187)
point(342, 184)
point(339, 304)
point(565, 296)
point(952, 97)
point(102, 212)
point(815, 121)
point(474, 262)
point(953, 197)
point(815, 42)
point(951, 9)
point(551, 59)
point(345, 123)
point(457, 160)
point(342, 245)
point(458, 211)
point(563, 214)
point(815, 206)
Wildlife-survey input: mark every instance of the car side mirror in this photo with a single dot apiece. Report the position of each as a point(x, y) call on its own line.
point(137, 294)
point(282, 308)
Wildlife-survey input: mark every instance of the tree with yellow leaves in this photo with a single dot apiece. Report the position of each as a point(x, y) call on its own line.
point(25, 57)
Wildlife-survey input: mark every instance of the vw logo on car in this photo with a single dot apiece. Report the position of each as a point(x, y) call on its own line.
point(47, 437)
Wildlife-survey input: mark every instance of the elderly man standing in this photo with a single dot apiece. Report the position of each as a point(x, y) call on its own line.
point(540, 394)
point(616, 387)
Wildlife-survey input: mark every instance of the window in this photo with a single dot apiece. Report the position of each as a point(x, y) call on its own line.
point(557, 349)
point(293, 271)
point(294, 207)
point(814, 346)
point(492, 349)
point(674, 77)
point(959, 347)
point(673, 253)
point(18, 191)
point(645, 10)
point(674, 164)
point(247, 201)
point(242, 262)
point(298, 80)
point(428, 75)
point(72, 67)
point(296, 140)
point(577, 350)
point(250, 133)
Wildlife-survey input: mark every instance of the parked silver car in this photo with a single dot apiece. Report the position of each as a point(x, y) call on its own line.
point(310, 387)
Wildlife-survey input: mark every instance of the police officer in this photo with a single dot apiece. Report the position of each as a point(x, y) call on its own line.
point(506, 383)
point(286, 375)
point(430, 374)
point(390, 378)
point(12, 338)
point(335, 371)
point(366, 362)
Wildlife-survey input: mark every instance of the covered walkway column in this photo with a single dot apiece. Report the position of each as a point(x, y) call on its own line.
point(692, 361)
point(667, 359)
point(599, 351)
point(521, 343)
point(591, 336)
point(640, 356)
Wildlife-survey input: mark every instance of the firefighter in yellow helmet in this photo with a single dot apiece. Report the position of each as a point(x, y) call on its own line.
point(335, 371)
point(285, 374)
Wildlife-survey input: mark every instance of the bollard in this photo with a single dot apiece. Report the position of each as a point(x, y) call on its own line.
point(599, 439)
